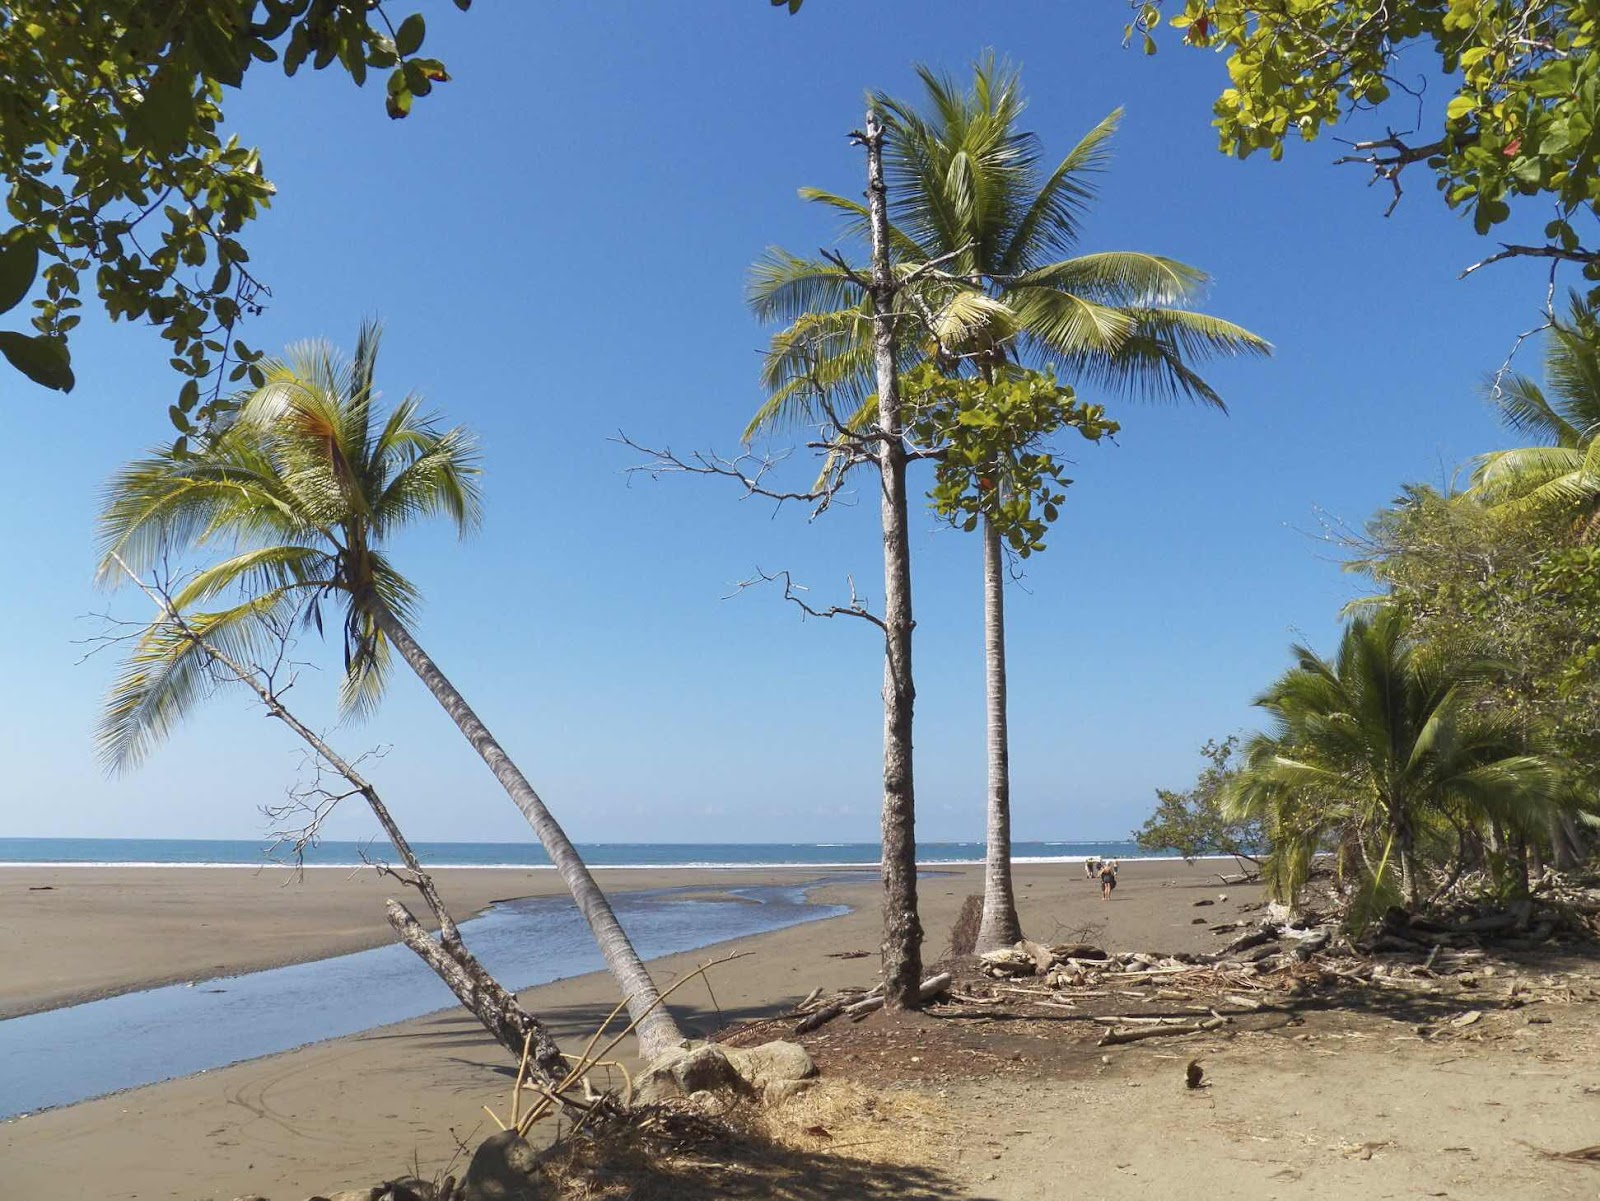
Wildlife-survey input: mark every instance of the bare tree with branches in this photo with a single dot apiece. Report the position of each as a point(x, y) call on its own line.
point(883, 443)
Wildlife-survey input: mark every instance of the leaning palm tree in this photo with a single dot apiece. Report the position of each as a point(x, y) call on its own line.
point(1382, 750)
point(301, 493)
point(983, 232)
point(1562, 475)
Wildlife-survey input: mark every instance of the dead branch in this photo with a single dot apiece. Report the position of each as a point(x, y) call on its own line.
point(855, 1006)
point(1577, 254)
point(1115, 1038)
point(1388, 157)
point(791, 592)
point(748, 470)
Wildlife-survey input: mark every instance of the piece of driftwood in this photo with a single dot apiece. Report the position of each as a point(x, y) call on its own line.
point(857, 1005)
point(1115, 1038)
point(1131, 1019)
point(1245, 942)
point(930, 988)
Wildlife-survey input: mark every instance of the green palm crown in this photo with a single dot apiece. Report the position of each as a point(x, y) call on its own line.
point(1381, 749)
point(298, 495)
point(970, 192)
point(1563, 474)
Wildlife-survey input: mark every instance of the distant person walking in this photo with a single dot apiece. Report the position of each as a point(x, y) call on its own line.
point(1091, 866)
point(1108, 880)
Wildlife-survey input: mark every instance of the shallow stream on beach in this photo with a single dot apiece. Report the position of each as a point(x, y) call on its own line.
point(68, 1055)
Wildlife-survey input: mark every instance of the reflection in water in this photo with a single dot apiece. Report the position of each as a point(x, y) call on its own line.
point(69, 1055)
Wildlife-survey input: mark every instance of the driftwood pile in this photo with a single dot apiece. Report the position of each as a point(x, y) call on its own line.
point(1272, 963)
point(856, 1003)
point(1265, 964)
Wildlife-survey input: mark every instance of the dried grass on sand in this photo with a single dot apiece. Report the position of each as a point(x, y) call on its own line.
point(834, 1141)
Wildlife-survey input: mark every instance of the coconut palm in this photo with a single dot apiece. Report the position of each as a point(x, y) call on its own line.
point(301, 493)
point(1563, 474)
point(983, 232)
point(1381, 749)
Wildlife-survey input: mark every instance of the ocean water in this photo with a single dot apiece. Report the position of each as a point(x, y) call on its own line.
point(67, 1055)
point(252, 852)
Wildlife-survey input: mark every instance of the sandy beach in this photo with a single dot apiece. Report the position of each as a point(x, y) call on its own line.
point(1289, 1118)
point(356, 1108)
point(71, 934)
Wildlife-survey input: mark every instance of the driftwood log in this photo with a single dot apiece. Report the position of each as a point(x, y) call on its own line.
point(857, 1007)
point(1115, 1038)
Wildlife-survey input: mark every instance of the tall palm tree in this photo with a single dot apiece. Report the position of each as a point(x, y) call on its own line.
point(971, 196)
point(301, 493)
point(1381, 749)
point(1563, 474)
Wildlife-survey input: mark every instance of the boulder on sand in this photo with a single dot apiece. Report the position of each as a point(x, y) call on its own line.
point(744, 1071)
point(771, 1063)
point(702, 1068)
point(1008, 961)
point(503, 1168)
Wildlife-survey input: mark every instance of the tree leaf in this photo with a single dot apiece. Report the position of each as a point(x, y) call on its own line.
point(43, 359)
point(19, 267)
point(164, 120)
point(408, 38)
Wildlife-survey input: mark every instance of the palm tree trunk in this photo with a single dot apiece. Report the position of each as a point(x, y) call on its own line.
point(1563, 849)
point(902, 929)
point(656, 1029)
point(1410, 886)
point(1575, 840)
point(1000, 927)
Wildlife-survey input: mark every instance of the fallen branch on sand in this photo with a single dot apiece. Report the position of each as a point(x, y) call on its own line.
point(856, 1005)
point(1581, 1155)
point(1113, 1038)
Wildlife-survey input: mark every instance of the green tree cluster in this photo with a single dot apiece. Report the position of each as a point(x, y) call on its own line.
point(1194, 823)
point(1384, 753)
point(1454, 728)
point(991, 442)
point(118, 181)
point(1522, 82)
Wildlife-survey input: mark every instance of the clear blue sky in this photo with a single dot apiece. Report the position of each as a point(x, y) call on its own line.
point(557, 241)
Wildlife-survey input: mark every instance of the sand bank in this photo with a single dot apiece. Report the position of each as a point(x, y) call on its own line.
point(71, 934)
point(352, 1110)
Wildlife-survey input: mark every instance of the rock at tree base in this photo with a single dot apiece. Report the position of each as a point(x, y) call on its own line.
point(408, 1189)
point(771, 1063)
point(705, 1068)
point(1008, 961)
point(504, 1168)
point(745, 1071)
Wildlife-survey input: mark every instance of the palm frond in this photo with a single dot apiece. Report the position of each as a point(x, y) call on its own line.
point(168, 673)
point(785, 287)
point(265, 570)
point(442, 479)
point(1524, 407)
point(1052, 223)
point(901, 244)
point(1119, 277)
point(1069, 325)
